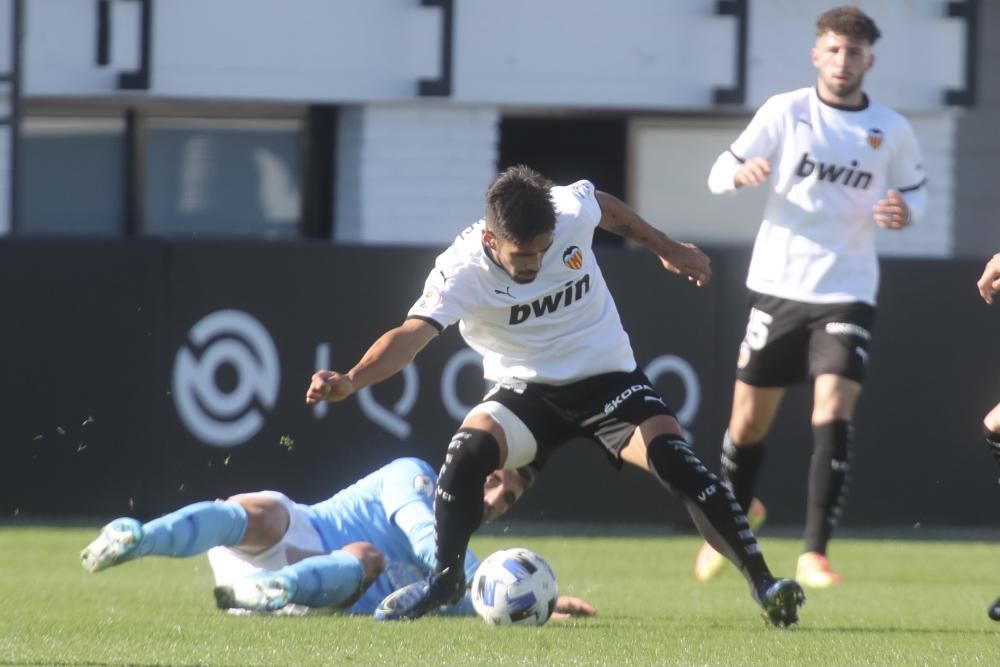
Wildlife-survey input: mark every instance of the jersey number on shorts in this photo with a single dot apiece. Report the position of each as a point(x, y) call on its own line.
point(757, 331)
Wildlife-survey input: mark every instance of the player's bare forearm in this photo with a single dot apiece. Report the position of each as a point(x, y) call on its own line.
point(391, 353)
point(681, 258)
point(387, 356)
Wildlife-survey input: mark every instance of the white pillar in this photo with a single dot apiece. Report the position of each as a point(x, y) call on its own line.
point(412, 173)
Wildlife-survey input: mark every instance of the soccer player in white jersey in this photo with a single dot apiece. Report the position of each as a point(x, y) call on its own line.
point(525, 288)
point(837, 164)
point(988, 285)
point(270, 554)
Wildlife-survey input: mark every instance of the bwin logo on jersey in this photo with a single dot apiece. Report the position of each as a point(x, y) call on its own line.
point(550, 303)
point(573, 257)
point(834, 173)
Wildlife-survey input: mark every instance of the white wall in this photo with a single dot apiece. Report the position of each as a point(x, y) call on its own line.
point(564, 53)
point(669, 159)
point(412, 174)
point(933, 236)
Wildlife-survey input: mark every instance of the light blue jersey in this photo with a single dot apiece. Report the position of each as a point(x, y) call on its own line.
point(391, 508)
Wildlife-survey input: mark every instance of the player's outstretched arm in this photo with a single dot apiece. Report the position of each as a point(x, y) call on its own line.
point(989, 282)
point(684, 259)
point(567, 606)
point(387, 356)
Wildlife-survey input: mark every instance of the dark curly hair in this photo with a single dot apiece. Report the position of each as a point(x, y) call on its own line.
point(519, 206)
point(848, 21)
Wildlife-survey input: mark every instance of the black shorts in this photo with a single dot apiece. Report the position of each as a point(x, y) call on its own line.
point(792, 341)
point(604, 408)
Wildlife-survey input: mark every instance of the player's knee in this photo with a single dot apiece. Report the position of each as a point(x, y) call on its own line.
point(745, 431)
point(834, 399)
point(372, 561)
point(267, 520)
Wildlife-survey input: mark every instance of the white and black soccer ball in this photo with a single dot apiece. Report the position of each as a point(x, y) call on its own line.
point(514, 587)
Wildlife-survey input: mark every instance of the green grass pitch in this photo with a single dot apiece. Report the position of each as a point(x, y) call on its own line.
point(905, 603)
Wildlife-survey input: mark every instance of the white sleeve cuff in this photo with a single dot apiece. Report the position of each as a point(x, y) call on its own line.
point(720, 179)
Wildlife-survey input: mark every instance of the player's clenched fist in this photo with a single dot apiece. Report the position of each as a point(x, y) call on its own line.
point(752, 173)
point(328, 386)
point(892, 212)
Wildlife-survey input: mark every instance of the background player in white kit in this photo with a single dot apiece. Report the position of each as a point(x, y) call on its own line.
point(838, 163)
point(526, 290)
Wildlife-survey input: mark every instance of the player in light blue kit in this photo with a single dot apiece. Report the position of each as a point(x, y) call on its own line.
point(348, 552)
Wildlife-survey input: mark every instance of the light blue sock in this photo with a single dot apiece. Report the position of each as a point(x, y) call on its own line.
point(325, 581)
point(193, 530)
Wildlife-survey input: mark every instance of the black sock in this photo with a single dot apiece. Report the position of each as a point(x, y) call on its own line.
point(829, 474)
point(993, 440)
point(458, 503)
point(711, 504)
point(740, 465)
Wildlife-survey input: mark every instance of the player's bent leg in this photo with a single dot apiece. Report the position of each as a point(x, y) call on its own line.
point(835, 398)
point(458, 511)
point(329, 580)
point(261, 591)
point(372, 561)
point(829, 475)
point(721, 520)
point(188, 531)
point(268, 519)
point(754, 409)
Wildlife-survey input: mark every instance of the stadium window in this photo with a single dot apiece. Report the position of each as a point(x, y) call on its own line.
point(81, 159)
point(222, 177)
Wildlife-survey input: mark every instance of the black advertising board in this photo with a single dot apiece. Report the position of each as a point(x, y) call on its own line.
point(140, 376)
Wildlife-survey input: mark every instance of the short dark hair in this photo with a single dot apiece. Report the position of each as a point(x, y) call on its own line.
point(519, 205)
point(848, 21)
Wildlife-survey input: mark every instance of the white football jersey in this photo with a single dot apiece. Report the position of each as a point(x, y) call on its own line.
point(829, 167)
point(561, 327)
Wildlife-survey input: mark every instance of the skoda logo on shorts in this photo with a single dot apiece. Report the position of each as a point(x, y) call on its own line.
point(225, 378)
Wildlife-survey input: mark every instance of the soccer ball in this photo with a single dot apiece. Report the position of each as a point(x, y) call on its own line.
point(514, 587)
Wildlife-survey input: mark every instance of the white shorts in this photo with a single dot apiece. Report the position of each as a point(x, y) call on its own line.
point(301, 540)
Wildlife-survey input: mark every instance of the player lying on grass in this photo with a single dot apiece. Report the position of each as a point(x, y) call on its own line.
point(989, 284)
point(348, 552)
